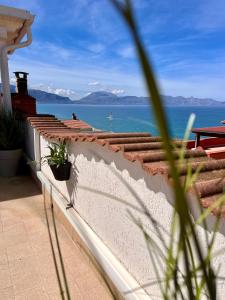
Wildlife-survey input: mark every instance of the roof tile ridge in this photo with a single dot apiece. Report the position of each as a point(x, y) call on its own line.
point(161, 155)
point(114, 148)
point(208, 201)
point(209, 187)
point(160, 170)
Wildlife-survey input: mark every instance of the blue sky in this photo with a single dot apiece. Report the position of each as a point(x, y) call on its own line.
point(81, 46)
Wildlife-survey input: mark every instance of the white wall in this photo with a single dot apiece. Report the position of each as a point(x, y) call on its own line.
point(101, 182)
point(29, 142)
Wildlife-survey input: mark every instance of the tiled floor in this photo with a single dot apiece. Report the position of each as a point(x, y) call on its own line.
point(26, 266)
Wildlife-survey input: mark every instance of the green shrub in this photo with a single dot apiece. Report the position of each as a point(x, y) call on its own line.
point(58, 155)
point(11, 131)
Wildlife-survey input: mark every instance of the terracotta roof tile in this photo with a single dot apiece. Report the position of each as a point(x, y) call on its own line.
point(77, 124)
point(128, 140)
point(160, 155)
point(210, 187)
point(145, 149)
point(109, 135)
point(207, 202)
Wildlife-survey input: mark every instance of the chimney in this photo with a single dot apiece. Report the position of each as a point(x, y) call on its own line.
point(21, 101)
point(21, 82)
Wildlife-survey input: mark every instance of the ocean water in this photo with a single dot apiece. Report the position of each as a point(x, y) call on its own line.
point(136, 118)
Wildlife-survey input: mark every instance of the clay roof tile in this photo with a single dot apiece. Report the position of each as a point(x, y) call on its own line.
point(145, 149)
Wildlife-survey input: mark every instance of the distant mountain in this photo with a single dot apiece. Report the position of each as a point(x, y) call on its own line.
point(44, 97)
point(100, 98)
point(106, 98)
point(49, 98)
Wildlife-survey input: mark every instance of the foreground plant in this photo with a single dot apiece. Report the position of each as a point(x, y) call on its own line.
point(58, 155)
point(11, 131)
point(58, 161)
point(11, 142)
point(186, 266)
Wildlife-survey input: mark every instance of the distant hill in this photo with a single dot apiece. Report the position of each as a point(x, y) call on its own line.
point(44, 97)
point(49, 98)
point(107, 98)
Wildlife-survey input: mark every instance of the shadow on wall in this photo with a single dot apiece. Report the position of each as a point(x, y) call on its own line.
point(156, 183)
point(134, 169)
point(71, 185)
point(116, 163)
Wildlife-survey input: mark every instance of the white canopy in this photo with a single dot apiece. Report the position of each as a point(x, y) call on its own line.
point(14, 25)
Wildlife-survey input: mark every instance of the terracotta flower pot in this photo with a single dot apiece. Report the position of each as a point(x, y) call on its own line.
point(61, 172)
point(9, 161)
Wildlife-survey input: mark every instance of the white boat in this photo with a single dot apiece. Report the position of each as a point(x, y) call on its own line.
point(110, 117)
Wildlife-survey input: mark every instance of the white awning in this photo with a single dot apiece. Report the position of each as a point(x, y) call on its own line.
point(13, 25)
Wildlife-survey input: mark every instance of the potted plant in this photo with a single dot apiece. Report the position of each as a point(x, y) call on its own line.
point(11, 142)
point(58, 161)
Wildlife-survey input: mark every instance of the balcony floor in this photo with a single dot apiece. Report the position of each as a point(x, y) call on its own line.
point(26, 265)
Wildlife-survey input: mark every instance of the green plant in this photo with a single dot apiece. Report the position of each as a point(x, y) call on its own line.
point(183, 266)
point(11, 131)
point(58, 155)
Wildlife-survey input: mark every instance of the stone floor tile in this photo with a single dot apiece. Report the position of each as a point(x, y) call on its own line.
point(88, 281)
point(2, 244)
point(98, 294)
point(23, 282)
point(75, 293)
point(46, 265)
point(55, 296)
point(35, 226)
point(10, 224)
point(32, 294)
point(7, 293)
point(5, 278)
point(77, 267)
point(50, 284)
point(26, 265)
point(3, 258)
point(15, 235)
point(19, 251)
point(1, 227)
point(27, 269)
point(40, 242)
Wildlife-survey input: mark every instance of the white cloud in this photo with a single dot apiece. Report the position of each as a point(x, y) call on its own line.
point(93, 83)
point(58, 91)
point(117, 91)
point(97, 86)
point(193, 78)
point(96, 48)
point(127, 52)
point(13, 80)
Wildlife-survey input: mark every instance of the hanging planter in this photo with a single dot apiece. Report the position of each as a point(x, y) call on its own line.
point(58, 161)
point(61, 172)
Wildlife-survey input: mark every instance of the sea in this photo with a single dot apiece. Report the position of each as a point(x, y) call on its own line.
point(136, 118)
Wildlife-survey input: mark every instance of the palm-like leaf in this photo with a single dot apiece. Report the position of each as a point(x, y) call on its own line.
point(58, 155)
point(11, 131)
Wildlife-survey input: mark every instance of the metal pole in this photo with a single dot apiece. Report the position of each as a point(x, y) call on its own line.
point(7, 104)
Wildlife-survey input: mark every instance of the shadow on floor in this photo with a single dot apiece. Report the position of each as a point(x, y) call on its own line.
point(17, 187)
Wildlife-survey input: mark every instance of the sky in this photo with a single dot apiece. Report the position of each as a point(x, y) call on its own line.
point(82, 46)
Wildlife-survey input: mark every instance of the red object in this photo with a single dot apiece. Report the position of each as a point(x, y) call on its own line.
point(24, 104)
point(207, 143)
